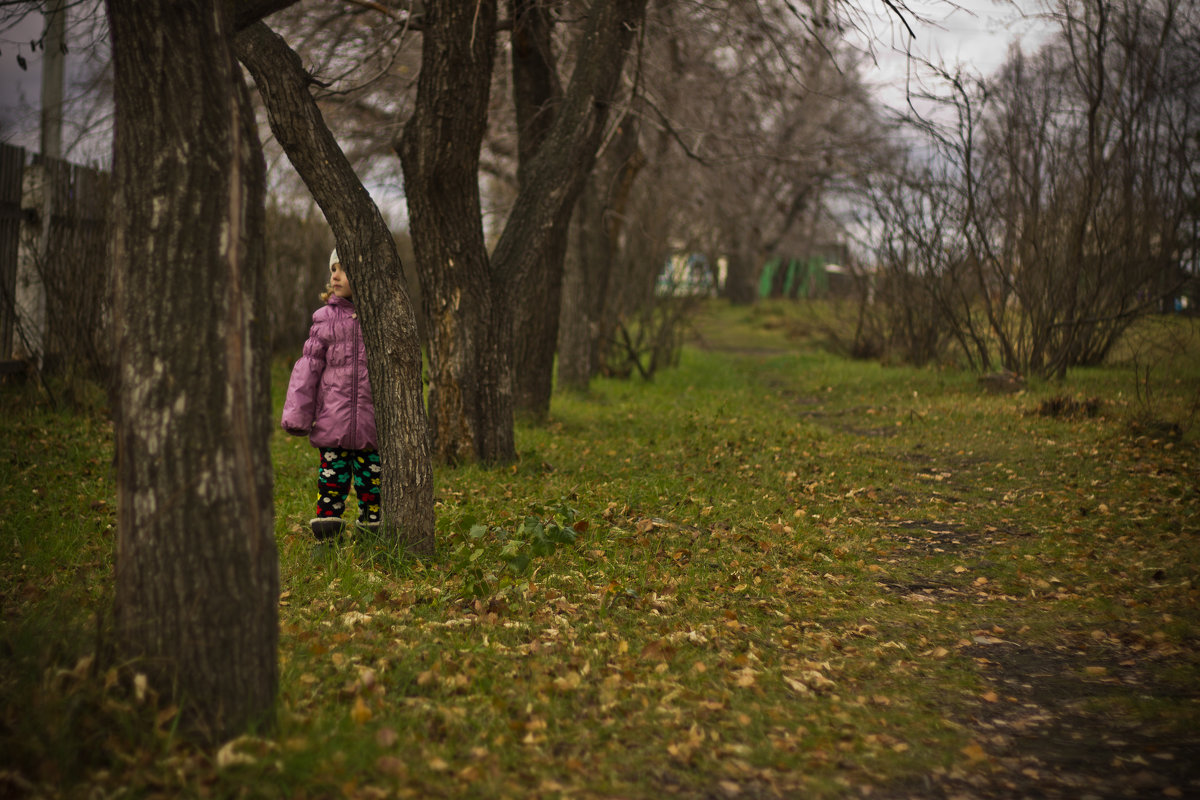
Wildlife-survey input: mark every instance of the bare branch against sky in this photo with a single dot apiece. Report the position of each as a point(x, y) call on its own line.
point(976, 33)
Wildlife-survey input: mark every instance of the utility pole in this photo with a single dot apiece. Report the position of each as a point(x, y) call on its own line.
point(38, 192)
point(53, 62)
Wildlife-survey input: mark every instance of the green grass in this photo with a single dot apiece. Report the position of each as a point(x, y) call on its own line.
point(772, 568)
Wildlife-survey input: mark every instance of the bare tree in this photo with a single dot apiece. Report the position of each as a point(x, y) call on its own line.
point(1069, 183)
point(369, 255)
point(747, 118)
point(470, 297)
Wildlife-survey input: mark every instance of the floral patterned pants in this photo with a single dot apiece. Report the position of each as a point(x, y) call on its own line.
point(338, 469)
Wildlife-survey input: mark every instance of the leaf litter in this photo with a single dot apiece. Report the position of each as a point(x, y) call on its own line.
point(980, 603)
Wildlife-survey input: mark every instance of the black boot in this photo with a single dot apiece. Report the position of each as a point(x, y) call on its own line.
point(327, 528)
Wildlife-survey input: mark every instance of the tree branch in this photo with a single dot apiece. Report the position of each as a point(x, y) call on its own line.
point(247, 12)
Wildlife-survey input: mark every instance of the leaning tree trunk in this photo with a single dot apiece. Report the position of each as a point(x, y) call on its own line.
point(197, 583)
point(469, 303)
point(369, 256)
point(532, 249)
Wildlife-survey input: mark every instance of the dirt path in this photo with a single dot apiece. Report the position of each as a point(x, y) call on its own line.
point(1051, 725)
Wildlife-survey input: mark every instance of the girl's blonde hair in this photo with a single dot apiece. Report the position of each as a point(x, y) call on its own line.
point(328, 293)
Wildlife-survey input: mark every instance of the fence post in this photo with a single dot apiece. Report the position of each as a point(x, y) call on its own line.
point(12, 165)
point(30, 295)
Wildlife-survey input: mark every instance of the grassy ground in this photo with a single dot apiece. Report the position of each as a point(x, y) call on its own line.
point(771, 572)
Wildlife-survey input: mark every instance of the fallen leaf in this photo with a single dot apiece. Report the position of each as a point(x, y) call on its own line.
point(352, 618)
point(360, 713)
point(390, 765)
point(231, 754)
point(974, 752)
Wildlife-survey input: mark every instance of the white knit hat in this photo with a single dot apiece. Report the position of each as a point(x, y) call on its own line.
point(333, 258)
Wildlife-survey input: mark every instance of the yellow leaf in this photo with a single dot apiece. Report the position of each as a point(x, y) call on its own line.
point(567, 682)
point(990, 697)
point(438, 765)
point(229, 754)
point(352, 618)
point(974, 752)
point(796, 685)
point(360, 713)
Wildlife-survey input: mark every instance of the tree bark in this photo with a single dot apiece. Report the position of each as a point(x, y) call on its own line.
point(468, 309)
point(584, 332)
point(532, 249)
point(469, 301)
point(369, 257)
point(197, 583)
point(537, 93)
point(741, 280)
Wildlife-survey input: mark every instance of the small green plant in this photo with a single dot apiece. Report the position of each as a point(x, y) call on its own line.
point(536, 537)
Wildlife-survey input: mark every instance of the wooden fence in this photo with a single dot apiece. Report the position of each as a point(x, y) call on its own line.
point(54, 263)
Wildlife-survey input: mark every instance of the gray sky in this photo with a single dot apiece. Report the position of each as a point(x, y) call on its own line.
point(974, 32)
point(20, 89)
point(17, 85)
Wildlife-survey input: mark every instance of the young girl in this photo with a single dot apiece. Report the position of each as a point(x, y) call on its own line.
point(329, 399)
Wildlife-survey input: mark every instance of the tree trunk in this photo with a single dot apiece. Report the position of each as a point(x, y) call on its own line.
point(537, 95)
point(197, 583)
point(369, 257)
point(532, 248)
point(586, 269)
point(471, 306)
point(468, 309)
point(599, 222)
point(741, 280)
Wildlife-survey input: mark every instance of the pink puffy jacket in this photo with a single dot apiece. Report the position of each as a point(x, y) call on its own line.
point(329, 396)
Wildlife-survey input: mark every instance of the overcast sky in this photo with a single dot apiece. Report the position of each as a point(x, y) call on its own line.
point(16, 83)
point(973, 32)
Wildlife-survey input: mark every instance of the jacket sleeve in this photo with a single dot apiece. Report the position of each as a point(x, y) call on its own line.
point(299, 407)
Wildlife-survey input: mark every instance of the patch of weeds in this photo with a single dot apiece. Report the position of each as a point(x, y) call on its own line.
point(491, 559)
